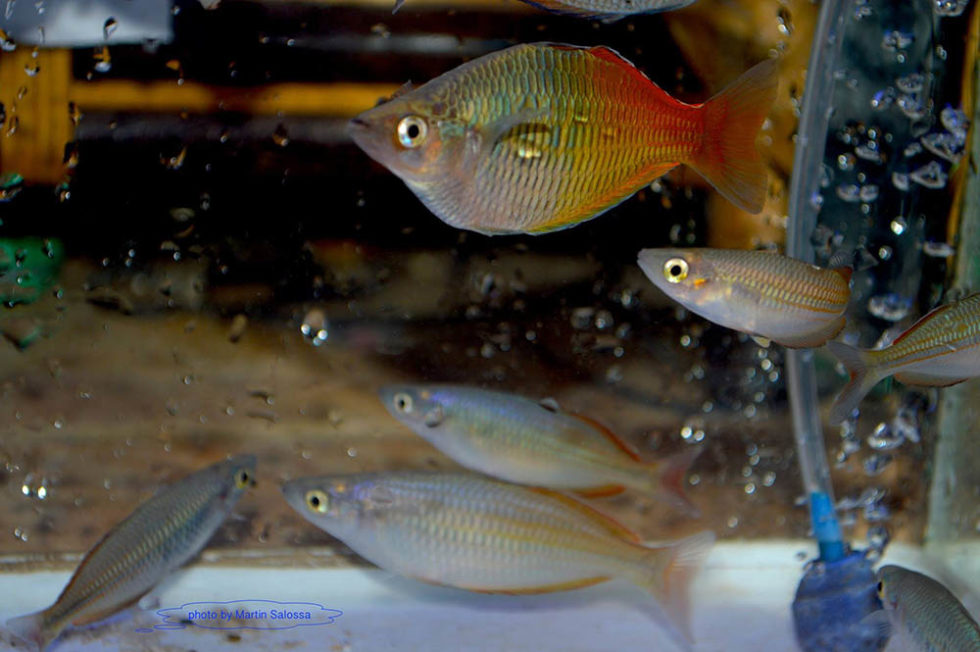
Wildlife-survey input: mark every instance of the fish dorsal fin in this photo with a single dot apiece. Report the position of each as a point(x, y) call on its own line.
point(844, 272)
point(922, 321)
point(615, 58)
point(609, 434)
point(408, 86)
point(604, 491)
point(614, 527)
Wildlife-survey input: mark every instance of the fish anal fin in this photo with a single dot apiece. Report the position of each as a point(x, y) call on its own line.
point(547, 588)
point(816, 338)
point(614, 527)
point(102, 614)
point(928, 380)
point(603, 491)
point(609, 434)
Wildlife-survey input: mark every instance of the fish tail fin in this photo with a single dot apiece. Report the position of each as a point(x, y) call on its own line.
point(668, 480)
point(860, 368)
point(30, 628)
point(728, 158)
point(667, 574)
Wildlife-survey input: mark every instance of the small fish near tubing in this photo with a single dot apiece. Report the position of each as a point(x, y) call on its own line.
point(837, 591)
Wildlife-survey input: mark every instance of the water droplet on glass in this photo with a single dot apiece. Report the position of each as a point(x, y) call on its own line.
point(849, 192)
point(883, 99)
point(884, 438)
point(34, 486)
point(938, 249)
point(930, 175)
point(912, 106)
point(581, 318)
point(869, 152)
point(896, 40)
point(846, 161)
point(911, 83)
point(898, 225)
point(876, 464)
point(950, 7)
point(890, 307)
point(280, 136)
point(943, 145)
point(315, 327)
point(955, 122)
point(868, 193)
point(900, 180)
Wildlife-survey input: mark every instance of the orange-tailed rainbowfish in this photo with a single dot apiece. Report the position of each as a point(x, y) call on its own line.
point(539, 137)
point(941, 349)
point(470, 532)
point(534, 443)
point(156, 539)
point(766, 295)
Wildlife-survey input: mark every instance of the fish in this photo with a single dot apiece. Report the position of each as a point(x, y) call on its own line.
point(922, 613)
point(771, 297)
point(607, 11)
point(157, 538)
point(543, 136)
point(941, 349)
point(484, 535)
point(515, 439)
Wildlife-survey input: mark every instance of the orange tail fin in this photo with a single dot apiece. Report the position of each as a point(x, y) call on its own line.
point(732, 119)
point(669, 481)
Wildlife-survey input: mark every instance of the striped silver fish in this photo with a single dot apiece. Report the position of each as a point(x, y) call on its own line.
point(483, 535)
point(923, 614)
point(156, 539)
point(767, 295)
point(535, 443)
point(941, 349)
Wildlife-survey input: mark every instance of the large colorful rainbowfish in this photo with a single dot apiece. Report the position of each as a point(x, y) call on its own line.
point(540, 137)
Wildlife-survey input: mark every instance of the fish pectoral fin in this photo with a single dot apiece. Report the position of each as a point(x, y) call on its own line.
point(610, 435)
point(603, 491)
point(879, 621)
point(523, 130)
point(550, 404)
point(764, 342)
point(814, 339)
point(546, 588)
point(929, 380)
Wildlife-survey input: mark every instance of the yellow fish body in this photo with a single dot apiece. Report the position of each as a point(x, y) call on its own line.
point(156, 539)
point(766, 295)
point(540, 137)
point(483, 535)
point(940, 349)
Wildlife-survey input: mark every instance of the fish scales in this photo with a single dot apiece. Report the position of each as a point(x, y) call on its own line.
point(519, 440)
point(159, 536)
point(539, 137)
point(955, 329)
point(923, 610)
point(764, 294)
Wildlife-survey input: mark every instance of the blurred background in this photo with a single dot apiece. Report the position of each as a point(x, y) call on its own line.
point(195, 260)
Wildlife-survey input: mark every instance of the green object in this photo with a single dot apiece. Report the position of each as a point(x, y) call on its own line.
point(28, 266)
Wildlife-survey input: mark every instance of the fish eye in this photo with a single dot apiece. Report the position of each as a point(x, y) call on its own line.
point(412, 131)
point(318, 501)
point(881, 589)
point(403, 402)
point(675, 270)
point(242, 479)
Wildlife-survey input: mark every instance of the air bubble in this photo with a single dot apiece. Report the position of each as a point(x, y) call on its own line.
point(930, 175)
point(938, 249)
point(890, 307)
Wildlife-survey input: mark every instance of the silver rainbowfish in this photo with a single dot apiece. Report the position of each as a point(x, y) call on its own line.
point(769, 296)
point(519, 440)
point(483, 535)
point(923, 614)
point(156, 539)
point(941, 349)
